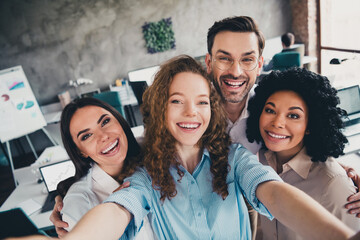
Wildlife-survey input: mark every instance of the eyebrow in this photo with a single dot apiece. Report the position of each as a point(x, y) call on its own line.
point(87, 129)
point(181, 94)
point(290, 108)
point(244, 54)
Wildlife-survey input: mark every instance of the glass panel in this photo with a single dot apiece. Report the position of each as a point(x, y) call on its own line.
point(345, 74)
point(340, 21)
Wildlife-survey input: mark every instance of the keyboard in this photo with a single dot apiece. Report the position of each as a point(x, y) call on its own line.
point(49, 202)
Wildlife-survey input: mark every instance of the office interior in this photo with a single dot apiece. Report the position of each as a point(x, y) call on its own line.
point(59, 42)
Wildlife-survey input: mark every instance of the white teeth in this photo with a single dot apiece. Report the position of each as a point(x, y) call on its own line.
point(110, 147)
point(189, 125)
point(276, 136)
point(235, 84)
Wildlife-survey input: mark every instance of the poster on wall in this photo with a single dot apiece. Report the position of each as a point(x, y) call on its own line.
point(19, 111)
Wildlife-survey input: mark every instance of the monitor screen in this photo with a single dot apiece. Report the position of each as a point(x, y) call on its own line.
point(54, 173)
point(350, 99)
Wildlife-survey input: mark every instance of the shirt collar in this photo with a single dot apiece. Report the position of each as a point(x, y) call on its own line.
point(301, 163)
point(104, 179)
point(205, 157)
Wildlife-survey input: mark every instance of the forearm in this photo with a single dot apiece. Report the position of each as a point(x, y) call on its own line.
point(105, 221)
point(300, 212)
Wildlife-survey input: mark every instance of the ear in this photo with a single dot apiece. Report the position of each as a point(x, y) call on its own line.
point(208, 63)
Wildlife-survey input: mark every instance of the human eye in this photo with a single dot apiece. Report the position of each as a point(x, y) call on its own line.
point(85, 136)
point(175, 101)
point(269, 110)
point(248, 60)
point(204, 102)
point(105, 121)
point(294, 116)
point(224, 59)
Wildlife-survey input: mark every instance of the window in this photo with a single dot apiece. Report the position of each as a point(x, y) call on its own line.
point(340, 39)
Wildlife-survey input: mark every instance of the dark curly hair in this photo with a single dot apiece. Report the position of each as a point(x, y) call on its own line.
point(325, 138)
point(159, 148)
point(82, 164)
point(235, 24)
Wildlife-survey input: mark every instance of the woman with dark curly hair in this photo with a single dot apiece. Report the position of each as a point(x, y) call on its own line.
point(193, 179)
point(294, 114)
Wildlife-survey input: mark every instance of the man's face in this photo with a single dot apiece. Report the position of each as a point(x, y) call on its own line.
point(234, 83)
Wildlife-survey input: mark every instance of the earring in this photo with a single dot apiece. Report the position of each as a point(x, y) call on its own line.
point(307, 132)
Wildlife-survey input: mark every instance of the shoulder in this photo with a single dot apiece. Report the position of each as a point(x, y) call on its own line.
point(237, 152)
point(140, 178)
point(333, 178)
point(80, 191)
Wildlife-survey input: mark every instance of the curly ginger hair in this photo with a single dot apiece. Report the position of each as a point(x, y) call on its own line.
point(159, 148)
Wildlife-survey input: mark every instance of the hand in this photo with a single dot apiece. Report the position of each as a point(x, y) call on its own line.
point(354, 200)
point(56, 219)
point(124, 185)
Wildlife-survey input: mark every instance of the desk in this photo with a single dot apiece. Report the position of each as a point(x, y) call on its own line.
point(354, 144)
point(29, 189)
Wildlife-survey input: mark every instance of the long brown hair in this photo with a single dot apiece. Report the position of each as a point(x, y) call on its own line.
point(159, 148)
point(82, 164)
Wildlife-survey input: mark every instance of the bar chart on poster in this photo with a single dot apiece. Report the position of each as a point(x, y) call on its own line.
point(20, 113)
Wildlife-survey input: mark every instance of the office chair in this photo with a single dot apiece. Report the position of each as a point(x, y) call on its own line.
point(286, 60)
point(113, 99)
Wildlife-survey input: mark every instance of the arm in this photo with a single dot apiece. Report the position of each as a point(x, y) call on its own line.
point(56, 219)
point(285, 202)
point(105, 221)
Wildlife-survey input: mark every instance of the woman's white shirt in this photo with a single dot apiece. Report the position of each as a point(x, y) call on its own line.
point(89, 191)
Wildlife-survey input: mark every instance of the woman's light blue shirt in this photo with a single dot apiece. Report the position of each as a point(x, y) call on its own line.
point(196, 212)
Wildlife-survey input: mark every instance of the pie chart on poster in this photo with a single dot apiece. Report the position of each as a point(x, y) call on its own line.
point(5, 97)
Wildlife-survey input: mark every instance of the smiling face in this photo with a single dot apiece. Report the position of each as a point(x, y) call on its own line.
point(188, 108)
point(283, 123)
point(234, 83)
point(99, 135)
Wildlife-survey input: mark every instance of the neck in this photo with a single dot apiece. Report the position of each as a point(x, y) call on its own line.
point(189, 157)
point(234, 110)
point(113, 170)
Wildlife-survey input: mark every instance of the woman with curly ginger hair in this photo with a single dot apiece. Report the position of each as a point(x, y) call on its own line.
point(160, 144)
point(193, 180)
point(294, 115)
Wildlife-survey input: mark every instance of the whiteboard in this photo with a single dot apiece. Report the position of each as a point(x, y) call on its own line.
point(19, 111)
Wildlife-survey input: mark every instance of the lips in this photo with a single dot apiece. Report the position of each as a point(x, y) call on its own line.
point(277, 137)
point(233, 84)
point(111, 148)
point(188, 126)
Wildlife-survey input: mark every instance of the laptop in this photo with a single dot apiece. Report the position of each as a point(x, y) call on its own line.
point(52, 174)
point(15, 223)
point(350, 101)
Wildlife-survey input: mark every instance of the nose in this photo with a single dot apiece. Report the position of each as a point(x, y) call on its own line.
point(190, 109)
point(102, 136)
point(236, 69)
point(279, 121)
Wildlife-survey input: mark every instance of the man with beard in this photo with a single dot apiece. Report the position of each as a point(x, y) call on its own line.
point(234, 60)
